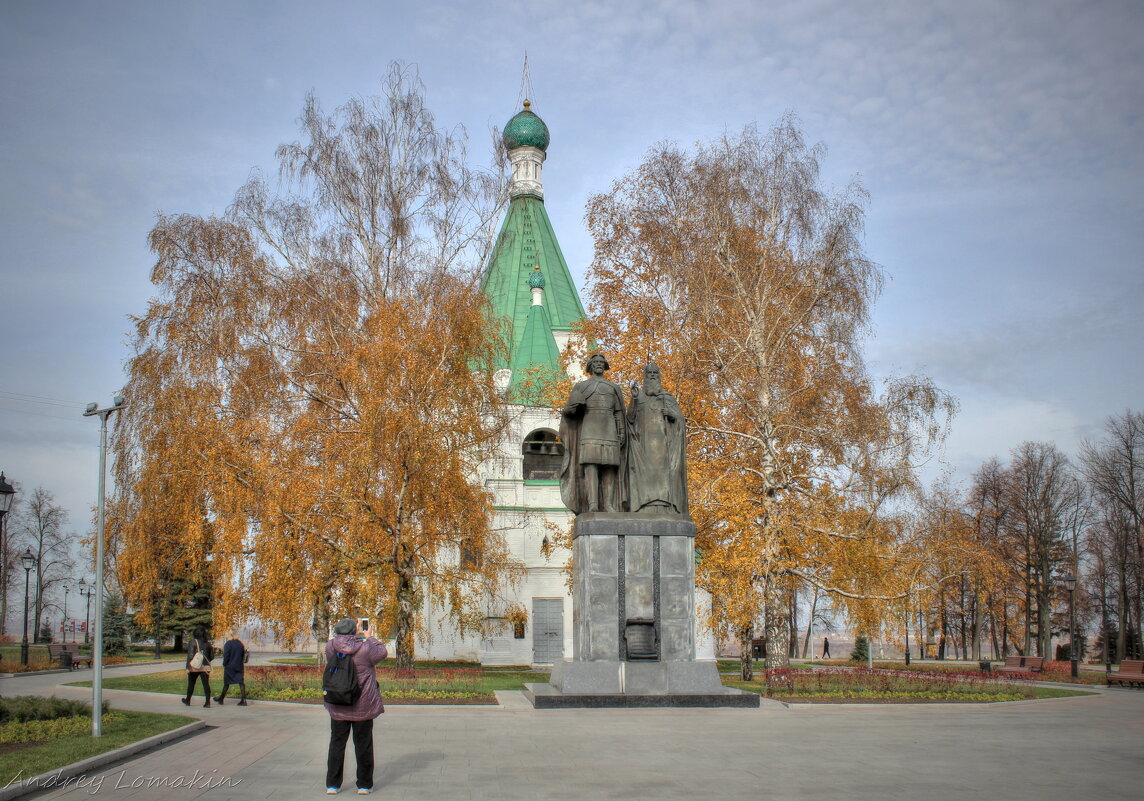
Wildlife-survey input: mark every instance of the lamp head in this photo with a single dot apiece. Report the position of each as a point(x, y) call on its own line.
point(7, 495)
point(1070, 582)
point(27, 561)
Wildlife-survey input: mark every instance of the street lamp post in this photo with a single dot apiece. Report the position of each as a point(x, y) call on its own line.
point(907, 629)
point(85, 591)
point(67, 589)
point(1104, 623)
point(27, 561)
point(97, 650)
point(1070, 582)
point(7, 495)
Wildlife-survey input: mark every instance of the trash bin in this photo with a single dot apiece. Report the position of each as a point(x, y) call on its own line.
point(986, 667)
point(66, 659)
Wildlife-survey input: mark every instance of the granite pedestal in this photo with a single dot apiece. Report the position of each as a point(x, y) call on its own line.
point(633, 620)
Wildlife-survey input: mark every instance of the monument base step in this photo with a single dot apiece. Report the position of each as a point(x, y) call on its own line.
point(545, 696)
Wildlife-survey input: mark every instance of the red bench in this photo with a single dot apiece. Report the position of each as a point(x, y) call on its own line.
point(1022, 664)
point(1131, 671)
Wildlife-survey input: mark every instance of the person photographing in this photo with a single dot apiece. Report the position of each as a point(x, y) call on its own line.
point(352, 649)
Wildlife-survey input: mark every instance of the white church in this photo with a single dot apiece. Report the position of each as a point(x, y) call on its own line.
point(528, 283)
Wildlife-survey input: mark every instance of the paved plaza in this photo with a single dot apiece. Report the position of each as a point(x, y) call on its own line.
point(1071, 748)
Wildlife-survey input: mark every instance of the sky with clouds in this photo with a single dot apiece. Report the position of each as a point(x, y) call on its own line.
point(1000, 143)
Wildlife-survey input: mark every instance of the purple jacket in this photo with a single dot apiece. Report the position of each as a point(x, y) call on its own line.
point(366, 654)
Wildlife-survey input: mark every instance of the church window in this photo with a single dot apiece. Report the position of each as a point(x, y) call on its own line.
point(543, 452)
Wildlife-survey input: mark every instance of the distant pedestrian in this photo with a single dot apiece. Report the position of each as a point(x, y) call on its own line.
point(351, 638)
point(825, 647)
point(234, 656)
point(199, 668)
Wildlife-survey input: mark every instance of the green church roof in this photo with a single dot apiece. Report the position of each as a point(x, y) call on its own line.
point(535, 359)
point(526, 130)
point(526, 239)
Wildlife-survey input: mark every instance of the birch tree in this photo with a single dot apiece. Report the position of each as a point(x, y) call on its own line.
point(312, 386)
point(746, 281)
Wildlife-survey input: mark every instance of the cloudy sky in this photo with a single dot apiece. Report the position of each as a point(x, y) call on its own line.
point(1000, 142)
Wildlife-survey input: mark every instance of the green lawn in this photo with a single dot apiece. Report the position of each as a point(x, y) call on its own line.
point(302, 683)
point(18, 763)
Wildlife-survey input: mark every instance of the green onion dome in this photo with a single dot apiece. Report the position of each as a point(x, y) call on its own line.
point(526, 130)
point(536, 278)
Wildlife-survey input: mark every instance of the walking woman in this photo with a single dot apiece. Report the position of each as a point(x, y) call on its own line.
point(199, 655)
point(234, 657)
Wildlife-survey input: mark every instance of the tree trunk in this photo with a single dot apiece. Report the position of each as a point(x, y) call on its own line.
point(792, 634)
point(807, 646)
point(943, 622)
point(777, 629)
point(406, 607)
point(746, 669)
point(320, 627)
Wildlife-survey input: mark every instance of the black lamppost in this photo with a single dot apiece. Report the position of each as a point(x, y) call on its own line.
point(85, 591)
point(1104, 623)
point(28, 561)
point(1070, 582)
point(7, 495)
point(67, 589)
point(907, 629)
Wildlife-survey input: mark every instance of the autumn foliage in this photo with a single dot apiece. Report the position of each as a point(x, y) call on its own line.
point(732, 269)
point(312, 386)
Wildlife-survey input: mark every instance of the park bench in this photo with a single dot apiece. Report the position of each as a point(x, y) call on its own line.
point(56, 651)
point(1131, 671)
point(1022, 664)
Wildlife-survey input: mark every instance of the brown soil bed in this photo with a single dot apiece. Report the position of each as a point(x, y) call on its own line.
point(7, 748)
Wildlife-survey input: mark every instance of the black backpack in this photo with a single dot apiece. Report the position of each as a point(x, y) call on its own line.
point(339, 681)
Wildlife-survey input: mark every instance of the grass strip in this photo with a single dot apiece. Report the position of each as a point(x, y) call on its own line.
point(119, 729)
point(301, 683)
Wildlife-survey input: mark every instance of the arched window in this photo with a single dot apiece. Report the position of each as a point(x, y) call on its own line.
point(542, 454)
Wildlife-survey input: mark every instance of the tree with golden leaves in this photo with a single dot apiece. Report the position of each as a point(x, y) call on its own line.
point(312, 389)
point(730, 267)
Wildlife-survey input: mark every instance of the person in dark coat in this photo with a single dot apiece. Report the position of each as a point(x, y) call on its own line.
point(234, 656)
point(825, 647)
point(199, 642)
point(366, 651)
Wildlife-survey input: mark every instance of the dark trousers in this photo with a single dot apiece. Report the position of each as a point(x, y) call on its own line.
point(192, 677)
point(363, 751)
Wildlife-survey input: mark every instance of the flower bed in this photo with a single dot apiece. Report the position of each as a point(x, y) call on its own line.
point(304, 682)
point(864, 684)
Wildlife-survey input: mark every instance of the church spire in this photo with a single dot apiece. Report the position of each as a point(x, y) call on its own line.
point(526, 137)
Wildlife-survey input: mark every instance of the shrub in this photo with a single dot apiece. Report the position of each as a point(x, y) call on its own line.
point(23, 708)
point(14, 666)
point(33, 731)
point(861, 650)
